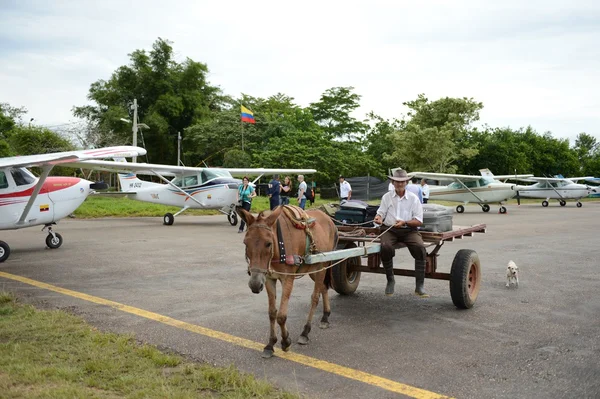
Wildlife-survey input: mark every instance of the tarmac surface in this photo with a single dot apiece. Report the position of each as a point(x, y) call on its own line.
point(541, 340)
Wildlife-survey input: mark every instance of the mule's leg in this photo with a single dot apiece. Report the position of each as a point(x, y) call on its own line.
point(287, 284)
point(271, 286)
point(317, 290)
point(326, 306)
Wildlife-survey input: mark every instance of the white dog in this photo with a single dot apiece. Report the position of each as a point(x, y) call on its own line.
point(512, 274)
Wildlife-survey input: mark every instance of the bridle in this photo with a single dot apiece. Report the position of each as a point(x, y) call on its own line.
point(267, 271)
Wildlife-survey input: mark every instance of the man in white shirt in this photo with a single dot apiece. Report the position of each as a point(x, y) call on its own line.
point(301, 190)
point(425, 190)
point(345, 189)
point(401, 209)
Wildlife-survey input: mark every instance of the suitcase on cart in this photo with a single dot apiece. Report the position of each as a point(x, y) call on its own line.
point(437, 218)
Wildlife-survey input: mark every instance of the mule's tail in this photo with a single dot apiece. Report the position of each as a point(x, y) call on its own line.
point(327, 280)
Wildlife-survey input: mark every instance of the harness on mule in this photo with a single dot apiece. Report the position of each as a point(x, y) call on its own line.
point(300, 220)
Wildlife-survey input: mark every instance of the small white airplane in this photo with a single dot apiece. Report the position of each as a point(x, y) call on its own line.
point(482, 190)
point(558, 188)
point(26, 200)
point(191, 188)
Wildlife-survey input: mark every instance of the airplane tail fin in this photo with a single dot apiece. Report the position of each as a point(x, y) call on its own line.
point(129, 182)
point(486, 172)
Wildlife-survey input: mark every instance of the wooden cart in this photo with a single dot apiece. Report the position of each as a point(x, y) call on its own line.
point(464, 276)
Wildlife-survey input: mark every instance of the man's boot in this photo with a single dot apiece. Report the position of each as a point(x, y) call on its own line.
point(388, 265)
point(420, 278)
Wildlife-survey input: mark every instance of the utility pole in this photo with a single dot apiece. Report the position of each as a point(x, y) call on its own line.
point(135, 127)
point(178, 148)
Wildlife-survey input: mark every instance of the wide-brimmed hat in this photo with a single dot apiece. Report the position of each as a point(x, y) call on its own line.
point(400, 175)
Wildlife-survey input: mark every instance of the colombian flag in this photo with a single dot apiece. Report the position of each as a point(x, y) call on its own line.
point(247, 115)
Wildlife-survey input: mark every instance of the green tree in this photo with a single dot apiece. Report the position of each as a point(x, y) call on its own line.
point(380, 144)
point(587, 150)
point(332, 113)
point(171, 96)
point(436, 136)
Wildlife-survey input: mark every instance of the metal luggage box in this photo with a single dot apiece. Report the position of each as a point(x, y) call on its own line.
point(350, 216)
point(437, 218)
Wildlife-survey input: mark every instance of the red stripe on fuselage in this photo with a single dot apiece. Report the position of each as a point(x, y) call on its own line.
point(51, 184)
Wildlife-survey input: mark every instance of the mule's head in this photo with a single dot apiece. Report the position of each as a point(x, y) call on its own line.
point(260, 245)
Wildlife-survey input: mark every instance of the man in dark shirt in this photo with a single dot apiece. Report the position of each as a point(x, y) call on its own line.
point(274, 191)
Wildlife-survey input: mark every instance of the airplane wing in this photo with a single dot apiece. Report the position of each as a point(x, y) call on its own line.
point(262, 171)
point(555, 179)
point(444, 176)
point(172, 170)
point(513, 177)
point(60, 158)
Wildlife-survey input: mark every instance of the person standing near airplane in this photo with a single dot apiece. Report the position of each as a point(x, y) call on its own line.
point(345, 189)
point(274, 192)
point(415, 189)
point(245, 194)
point(286, 191)
point(400, 214)
point(301, 190)
point(425, 190)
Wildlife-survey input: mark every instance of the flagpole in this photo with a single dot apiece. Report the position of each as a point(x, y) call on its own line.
point(242, 127)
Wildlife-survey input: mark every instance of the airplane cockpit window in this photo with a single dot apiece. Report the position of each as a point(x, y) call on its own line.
point(177, 181)
point(214, 173)
point(21, 176)
point(3, 182)
point(185, 181)
point(205, 175)
point(469, 184)
point(190, 181)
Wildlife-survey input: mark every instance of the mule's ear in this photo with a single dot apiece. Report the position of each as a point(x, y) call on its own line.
point(245, 215)
point(270, 220)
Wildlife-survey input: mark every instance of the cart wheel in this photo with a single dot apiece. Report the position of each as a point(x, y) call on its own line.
point(465, 278)
point(346, 282)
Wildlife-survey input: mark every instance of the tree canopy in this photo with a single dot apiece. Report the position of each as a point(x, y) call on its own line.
point(442, 135)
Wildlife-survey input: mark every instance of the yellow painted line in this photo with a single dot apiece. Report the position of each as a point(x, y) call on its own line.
point(357, 375)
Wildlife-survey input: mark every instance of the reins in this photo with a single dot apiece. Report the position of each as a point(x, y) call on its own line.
point(298, 275)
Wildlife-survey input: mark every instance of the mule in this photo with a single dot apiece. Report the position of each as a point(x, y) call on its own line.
point(267, 263)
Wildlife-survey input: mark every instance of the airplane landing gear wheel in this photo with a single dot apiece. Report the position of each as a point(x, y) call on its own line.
point(460, 209)
point(544, 203)
point(485, 208)
point(54, 241)
point(232, 217)
point(502, 210)
point(168, 219)
point(579, 204)
point(4, 251)
point(563, 203)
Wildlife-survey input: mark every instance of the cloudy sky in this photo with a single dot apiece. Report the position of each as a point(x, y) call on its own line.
point(530, 62)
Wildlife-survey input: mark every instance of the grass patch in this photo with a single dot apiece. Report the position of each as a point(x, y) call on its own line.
point(97, 206)
point(51, 354)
